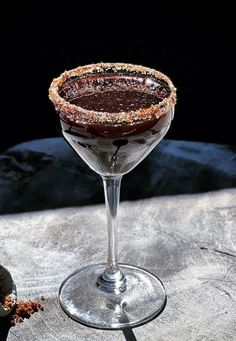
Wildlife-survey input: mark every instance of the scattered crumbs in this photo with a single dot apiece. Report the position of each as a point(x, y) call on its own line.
point(24, 309)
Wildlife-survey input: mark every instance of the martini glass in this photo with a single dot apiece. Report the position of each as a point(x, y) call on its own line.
point(113, 115)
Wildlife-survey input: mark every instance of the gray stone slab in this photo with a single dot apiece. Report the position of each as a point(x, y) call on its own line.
point(189, 241)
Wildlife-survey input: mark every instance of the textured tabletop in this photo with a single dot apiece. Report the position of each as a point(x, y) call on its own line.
point(188, 240)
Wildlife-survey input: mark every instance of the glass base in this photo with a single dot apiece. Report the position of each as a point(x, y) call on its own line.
point(82, 300)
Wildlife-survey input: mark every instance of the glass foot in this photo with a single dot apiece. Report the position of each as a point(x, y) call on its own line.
point(81, 298)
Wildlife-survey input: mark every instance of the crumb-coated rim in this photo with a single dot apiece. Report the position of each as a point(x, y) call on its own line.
point(80, 115)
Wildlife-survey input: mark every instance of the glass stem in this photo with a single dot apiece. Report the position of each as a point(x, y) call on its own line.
point(112, 279)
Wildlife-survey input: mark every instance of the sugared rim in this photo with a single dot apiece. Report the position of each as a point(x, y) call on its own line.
point(80, 115)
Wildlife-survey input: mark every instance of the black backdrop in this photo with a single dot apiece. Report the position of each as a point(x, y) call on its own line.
point(194, 48)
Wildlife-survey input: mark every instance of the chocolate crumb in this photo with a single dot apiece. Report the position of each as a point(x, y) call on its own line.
point(23, 309)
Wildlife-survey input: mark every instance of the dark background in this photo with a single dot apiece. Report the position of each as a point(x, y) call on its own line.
point(194, 47)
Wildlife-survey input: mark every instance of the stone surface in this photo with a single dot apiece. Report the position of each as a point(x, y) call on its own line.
point(47, 173)
point(189, 241)
point(179, 231)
